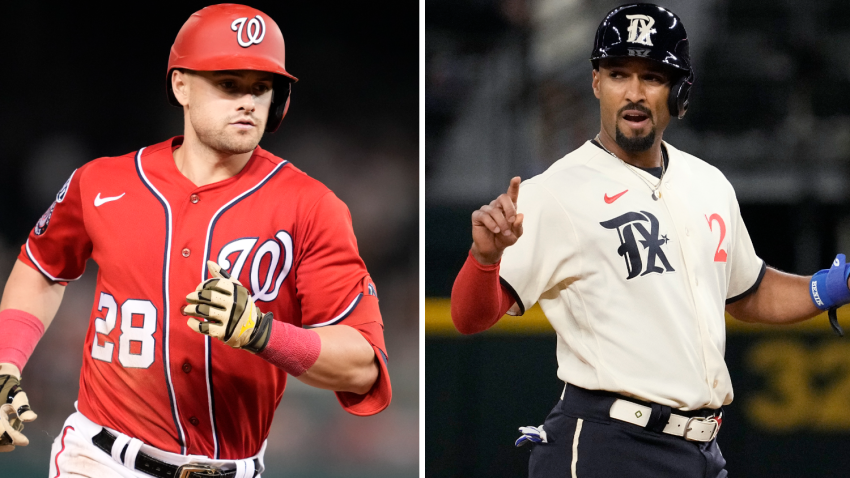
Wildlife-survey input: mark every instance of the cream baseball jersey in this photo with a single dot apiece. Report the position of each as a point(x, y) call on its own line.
point(284, 235)
point(635, 288)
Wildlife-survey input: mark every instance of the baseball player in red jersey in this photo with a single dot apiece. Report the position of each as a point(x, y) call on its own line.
point(222, 269)
point(634, 250)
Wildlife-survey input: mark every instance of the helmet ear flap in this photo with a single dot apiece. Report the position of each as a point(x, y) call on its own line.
point(677, 102)
point(286, 106)
point(280, 103)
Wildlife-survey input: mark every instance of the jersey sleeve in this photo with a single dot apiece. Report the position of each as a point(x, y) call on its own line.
point(744, 268)
point(59, 246)
point(545, 254)
point(334, 287)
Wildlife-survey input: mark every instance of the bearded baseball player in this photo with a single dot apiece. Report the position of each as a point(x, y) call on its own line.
point(634, 250)
point(221, 270)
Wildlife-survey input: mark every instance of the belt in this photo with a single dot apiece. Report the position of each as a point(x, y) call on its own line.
point(696, 428)
point(692, 425)
point(150, 465)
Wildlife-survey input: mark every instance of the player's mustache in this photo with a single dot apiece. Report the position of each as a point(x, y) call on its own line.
point(637, 107)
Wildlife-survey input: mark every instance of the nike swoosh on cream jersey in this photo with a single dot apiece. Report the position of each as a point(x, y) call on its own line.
point(99, 200)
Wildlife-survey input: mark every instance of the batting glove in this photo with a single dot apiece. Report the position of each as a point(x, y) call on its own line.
point(828, 289)
point(14, 411)
point(228, 312)
point(531, 435)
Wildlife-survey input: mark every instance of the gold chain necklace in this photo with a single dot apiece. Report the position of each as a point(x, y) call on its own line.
point(654, 188)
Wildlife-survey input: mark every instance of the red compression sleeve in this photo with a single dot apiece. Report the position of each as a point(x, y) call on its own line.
point(292, 348)
point(478, 299)
point(21, 331)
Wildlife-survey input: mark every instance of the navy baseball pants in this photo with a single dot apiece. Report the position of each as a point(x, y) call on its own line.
point(584, 442)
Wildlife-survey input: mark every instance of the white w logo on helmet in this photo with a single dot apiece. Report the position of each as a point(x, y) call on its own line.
point(256, 30)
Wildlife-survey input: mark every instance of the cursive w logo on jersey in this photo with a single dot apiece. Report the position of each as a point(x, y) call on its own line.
point(640, 29)
point(269, 267)
point(631, 248)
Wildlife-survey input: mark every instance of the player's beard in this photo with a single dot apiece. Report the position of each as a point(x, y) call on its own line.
point(637, 144)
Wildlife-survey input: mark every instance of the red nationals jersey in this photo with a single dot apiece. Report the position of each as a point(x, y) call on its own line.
point(145, 373)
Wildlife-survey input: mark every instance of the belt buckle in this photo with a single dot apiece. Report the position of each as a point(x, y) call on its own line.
point(185, 471)
point(714, 433)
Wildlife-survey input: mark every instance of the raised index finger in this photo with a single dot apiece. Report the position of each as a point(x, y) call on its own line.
point(513, 189)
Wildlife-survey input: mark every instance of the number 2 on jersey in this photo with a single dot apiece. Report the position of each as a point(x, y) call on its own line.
point(719, 254)
point(136, 344)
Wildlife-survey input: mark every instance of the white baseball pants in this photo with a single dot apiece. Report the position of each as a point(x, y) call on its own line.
point(74, 455)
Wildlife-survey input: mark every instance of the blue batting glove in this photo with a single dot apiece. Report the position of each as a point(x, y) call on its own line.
point(829, 286)
point(828, 289)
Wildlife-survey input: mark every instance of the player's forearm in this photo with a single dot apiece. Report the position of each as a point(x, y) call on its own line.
point(29, 303)
point(346, 363)
point(780, 299)
point(30, 291)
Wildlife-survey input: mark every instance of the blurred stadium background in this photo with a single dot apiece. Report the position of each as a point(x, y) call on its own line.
point(82, 80)
point(508, 93)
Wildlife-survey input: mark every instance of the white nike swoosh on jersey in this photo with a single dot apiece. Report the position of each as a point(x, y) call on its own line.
point(99, 200)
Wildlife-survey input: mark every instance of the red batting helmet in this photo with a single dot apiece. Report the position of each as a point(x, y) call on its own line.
point(233, 37)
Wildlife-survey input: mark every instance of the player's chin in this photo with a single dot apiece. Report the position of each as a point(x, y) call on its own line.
point(244, 136)
point(238, 143)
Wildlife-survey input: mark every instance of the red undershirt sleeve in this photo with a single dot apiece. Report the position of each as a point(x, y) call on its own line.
point(478, 297)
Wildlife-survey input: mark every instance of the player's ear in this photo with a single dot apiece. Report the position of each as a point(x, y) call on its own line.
point(595, 82)
point(180, 86)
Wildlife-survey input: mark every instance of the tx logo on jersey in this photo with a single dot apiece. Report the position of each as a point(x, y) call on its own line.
point(255, 33)
point(630, 247)
point(640, 29)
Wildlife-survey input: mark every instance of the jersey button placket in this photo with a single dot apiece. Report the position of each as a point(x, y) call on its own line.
point(187, 367)
point(185, 252)
point(194, 198)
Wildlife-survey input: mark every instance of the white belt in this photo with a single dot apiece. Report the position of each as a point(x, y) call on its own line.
point(689, 428)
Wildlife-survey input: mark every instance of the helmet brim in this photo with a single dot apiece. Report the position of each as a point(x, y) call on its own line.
point(622, 51)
